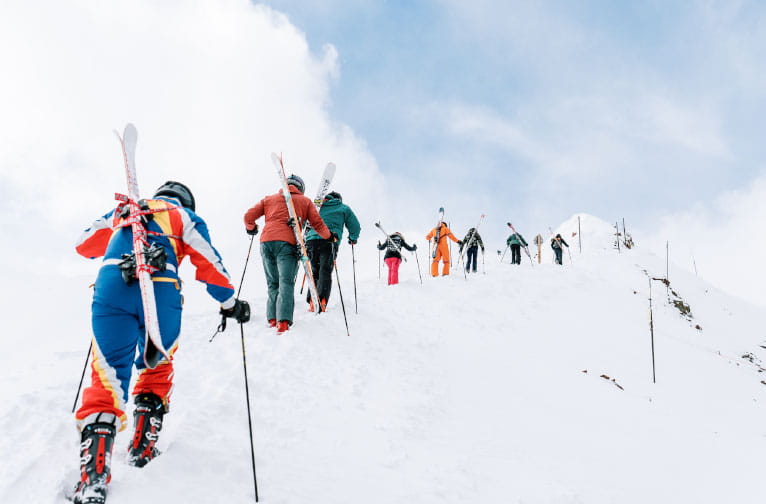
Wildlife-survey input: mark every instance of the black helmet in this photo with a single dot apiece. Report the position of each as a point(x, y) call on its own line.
point(297, 182)
point(335, 195)
point(177, 190)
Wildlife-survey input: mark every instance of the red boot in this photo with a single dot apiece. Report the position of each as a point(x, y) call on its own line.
point(273, 322)
point(283, 326)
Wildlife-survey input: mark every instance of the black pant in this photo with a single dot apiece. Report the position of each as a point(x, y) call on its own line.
point(322, 255)
point(471, 255)
point(559, 252)
point(515, 253)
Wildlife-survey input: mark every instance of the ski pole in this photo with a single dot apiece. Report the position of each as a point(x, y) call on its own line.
point(340, 292)
point(303, 282)
point(483, 267)
point(249, 415)
point(378, 264)
point(353, 267)
point(79, 387)
point(504, 251)
point(461, 265)
point(222, 325)
point(221, 328)
point(526, 249)
point(417, 261)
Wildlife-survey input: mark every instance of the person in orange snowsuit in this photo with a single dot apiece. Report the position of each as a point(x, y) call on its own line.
point(441, 247)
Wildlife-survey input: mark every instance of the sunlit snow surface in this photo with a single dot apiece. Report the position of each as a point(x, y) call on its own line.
point(485, 390)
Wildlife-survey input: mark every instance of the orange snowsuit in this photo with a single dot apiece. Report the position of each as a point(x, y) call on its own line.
point(442, 249)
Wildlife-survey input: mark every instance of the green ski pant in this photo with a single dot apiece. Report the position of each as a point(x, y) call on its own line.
point(280, 262)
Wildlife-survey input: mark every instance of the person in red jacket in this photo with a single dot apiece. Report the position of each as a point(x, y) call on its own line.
point(440, 234)
point(278, 247)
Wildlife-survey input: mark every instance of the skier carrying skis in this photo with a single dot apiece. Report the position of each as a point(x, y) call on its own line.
point(556, 245)
point(278, 247)
point(322, 253)
point(173, 232)
point(393, 256)
point(471, 243)
point(442, 248)
point(516, 241)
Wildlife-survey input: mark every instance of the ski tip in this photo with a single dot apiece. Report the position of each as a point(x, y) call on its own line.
point(130, 133)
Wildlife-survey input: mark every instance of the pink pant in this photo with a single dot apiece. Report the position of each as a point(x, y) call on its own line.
point(393, 270)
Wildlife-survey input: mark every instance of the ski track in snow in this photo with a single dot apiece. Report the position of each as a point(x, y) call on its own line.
point(451, 391)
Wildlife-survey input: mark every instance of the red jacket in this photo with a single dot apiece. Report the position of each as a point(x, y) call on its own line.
point(274, 208)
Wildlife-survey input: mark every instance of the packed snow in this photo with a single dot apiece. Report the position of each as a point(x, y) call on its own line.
point(518, 384)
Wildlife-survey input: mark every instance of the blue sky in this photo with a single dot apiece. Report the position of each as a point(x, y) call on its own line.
point(623, 109)
point(651, 111)
point(531, 112)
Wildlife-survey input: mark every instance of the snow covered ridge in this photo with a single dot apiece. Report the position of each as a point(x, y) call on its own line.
point(524, 384)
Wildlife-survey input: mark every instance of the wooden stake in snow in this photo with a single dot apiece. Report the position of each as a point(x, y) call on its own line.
point(539, 243)
point(651, 331)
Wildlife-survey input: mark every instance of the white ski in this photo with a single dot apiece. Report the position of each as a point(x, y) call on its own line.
point(437, 235)
point(324, 188)
point(468, 240)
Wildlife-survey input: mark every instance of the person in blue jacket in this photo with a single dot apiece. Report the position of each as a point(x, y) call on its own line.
point(322, 253)
point(174, 231)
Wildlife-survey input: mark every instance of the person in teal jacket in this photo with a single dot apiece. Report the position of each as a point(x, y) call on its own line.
point(322, 253)
point(516, 241)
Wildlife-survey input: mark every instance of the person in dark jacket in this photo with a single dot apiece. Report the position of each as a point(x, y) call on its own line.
point(516, 241)
point(322, 253)
point(393, 257)
point(556, 245)
point(471, 243)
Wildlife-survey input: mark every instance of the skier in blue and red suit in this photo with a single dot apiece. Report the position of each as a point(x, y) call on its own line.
point(119, 332)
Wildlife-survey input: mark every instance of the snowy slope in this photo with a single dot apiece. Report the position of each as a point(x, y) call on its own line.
point(481, 390)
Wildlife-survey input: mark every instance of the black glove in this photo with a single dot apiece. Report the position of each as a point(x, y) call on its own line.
point(460, 242)
point(291, 222)
point(334, 237)
point(240, 311)
point(351, 242)
point(252, 232)
point(379, 245)
point(414, 246)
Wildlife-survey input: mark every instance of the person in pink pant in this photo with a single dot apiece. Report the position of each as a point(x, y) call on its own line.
point(393, 257)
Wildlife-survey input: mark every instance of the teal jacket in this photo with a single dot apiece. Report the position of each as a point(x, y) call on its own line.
point(337, 214)
point(516, 239)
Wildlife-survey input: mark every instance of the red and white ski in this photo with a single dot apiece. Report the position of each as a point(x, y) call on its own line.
point(526, 248)
point(154, 350)
point(297, 230)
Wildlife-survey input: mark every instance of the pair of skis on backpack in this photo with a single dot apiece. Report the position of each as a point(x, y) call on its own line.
point(324, 188)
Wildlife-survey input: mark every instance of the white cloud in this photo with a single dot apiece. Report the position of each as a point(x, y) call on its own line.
point(724, 239)
point(213, 88)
